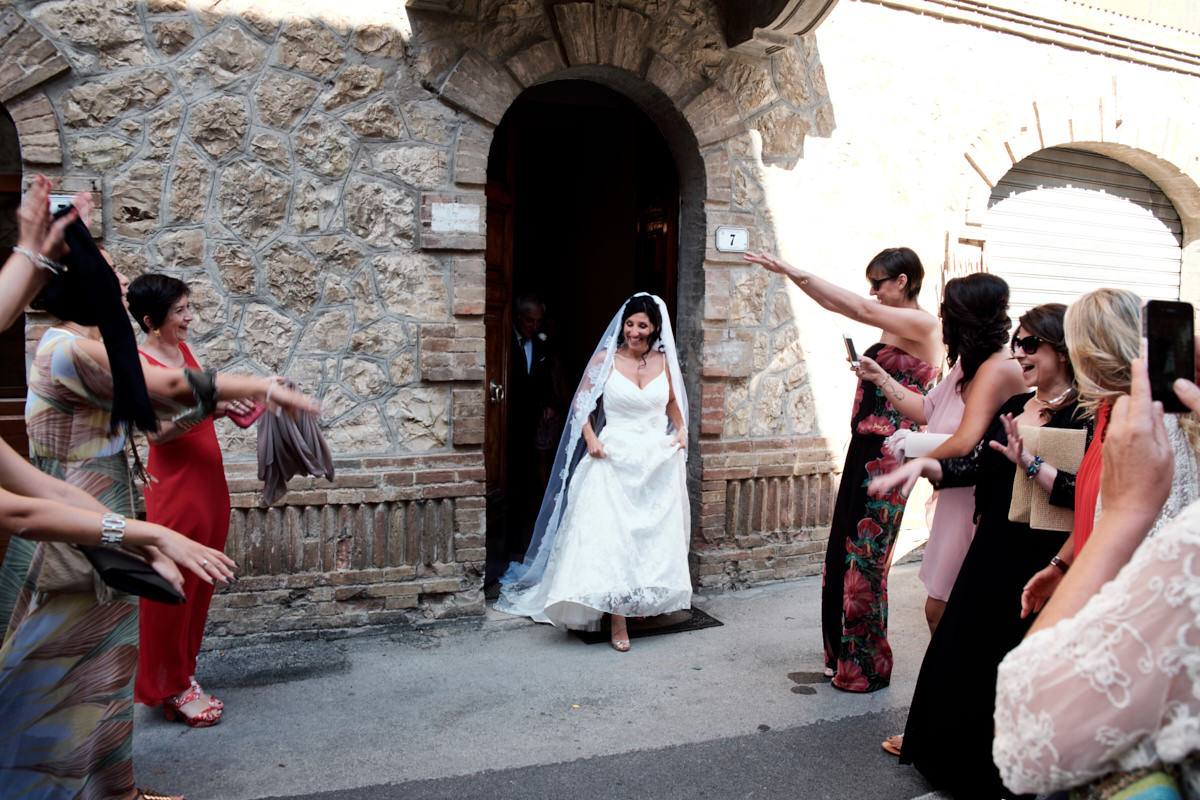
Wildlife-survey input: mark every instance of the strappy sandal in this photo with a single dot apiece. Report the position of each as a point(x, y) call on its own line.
point(892, 744)
point(621, 645)
point(213, 702)
point(173, 707)
point(148, 794)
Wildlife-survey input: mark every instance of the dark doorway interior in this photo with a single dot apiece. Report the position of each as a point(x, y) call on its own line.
point(12, 340)
point(593, 194)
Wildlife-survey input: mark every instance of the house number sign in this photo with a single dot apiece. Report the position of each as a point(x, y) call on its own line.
point(732, 240)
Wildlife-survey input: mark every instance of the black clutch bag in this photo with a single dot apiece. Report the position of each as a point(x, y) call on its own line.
point(127, 573)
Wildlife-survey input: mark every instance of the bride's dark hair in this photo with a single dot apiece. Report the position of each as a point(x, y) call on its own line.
point(645, 304)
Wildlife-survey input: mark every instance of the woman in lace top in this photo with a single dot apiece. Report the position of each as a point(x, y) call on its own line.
point(1106, 680)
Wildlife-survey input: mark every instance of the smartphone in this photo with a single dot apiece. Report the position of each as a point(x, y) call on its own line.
point(1168, 340)
point(850, 351)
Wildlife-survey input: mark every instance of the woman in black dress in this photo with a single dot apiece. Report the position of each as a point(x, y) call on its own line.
point(949, 732)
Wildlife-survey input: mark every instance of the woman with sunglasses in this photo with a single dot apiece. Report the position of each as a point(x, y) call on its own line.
point(863, 530)
point(949, 732)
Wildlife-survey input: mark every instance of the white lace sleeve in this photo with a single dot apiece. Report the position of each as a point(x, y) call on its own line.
point(1117, 686)
point(1185, 480)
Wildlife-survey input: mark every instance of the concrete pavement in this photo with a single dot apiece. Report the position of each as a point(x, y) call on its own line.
point(501, 707)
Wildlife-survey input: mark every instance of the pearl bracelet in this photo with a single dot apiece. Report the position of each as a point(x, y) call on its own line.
point(113, 531)
point(40, 261)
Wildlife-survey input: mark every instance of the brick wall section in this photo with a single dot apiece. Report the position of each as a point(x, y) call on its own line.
point(452, 352)
point(765, 509)
point(712, 409)
point(468, 407)
point(389, 540)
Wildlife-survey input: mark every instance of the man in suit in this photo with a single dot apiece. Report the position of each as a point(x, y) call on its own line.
point(534, 406)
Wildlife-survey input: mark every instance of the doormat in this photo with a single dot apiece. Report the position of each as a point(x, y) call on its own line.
point(692, 619)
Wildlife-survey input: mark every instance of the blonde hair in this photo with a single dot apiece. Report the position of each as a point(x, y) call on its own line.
point(1103, 333)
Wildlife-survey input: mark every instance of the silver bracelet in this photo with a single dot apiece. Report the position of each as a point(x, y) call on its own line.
point(113, 531)
point(40, 261)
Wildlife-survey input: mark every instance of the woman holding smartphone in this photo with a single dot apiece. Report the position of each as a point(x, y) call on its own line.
point(863, 531)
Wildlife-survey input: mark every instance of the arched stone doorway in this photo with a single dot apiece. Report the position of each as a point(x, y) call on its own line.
point(584, 209)
point(12, 340)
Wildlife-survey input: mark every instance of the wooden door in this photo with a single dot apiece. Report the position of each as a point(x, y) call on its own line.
point(497, 320)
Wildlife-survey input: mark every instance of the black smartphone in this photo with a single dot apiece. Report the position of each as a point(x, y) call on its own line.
point(1168, 339)
point(850, 351)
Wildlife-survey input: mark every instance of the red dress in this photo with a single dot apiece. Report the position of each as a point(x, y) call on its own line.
point(188, 495)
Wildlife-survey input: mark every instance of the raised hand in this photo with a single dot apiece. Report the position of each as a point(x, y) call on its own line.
point(1015, 447)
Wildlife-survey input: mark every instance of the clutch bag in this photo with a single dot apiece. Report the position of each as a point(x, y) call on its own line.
point(127, 573)
point(249, 418)
point(1061, 448)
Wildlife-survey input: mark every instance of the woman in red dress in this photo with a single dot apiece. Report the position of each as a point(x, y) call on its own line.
point(187, 493)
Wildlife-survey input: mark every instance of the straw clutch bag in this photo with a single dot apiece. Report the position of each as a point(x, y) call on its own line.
point(1063, 449)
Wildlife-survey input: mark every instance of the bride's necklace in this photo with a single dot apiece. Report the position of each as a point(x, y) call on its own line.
point(1055, 400)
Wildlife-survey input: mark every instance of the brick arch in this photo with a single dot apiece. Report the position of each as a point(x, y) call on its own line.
point(1166, 150)
point(30, 60)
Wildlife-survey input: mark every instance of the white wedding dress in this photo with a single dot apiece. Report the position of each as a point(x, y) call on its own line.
point(622, 545)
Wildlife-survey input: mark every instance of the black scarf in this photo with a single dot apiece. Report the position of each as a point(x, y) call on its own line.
point(88, 293)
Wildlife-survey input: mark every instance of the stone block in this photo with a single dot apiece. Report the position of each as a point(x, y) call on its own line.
point(577, 31)
point(675, 83)
point(479, 88)
point(533, 63)
point(621, 40)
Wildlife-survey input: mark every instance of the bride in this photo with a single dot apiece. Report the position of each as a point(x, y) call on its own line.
point(612, 533)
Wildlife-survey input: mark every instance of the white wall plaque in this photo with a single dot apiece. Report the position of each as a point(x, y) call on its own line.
point(455, 218)
point(732, 240)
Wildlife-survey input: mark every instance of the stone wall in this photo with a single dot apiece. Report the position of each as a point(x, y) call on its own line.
point(296, 172)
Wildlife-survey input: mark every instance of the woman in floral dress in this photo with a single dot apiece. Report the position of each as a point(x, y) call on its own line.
point(863, 531)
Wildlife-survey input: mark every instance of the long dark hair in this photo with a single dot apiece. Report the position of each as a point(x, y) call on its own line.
point(974, 321)
point(645, 304)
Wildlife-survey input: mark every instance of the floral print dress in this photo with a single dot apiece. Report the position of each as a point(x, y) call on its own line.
point(863, 532)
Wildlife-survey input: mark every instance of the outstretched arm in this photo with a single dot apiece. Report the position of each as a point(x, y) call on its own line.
point(907, 323)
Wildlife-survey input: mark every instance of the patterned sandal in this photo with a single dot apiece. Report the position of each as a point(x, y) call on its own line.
point(212, 701)
point(173, 706)
point(148, 794)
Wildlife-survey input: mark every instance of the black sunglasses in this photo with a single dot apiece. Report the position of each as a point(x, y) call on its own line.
point(1029, 343)
point(877, 283)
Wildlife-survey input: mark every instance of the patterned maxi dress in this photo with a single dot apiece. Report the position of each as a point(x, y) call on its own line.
point(863, 532)
point(67, 663)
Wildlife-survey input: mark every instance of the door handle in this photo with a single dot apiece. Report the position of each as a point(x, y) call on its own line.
point(495, 392)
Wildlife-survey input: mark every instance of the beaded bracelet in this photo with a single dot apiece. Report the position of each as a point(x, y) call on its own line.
point(1034, 467)
point(113, 531)
point(40, 261)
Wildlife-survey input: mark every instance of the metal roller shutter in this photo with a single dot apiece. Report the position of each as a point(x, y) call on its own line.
point(1063, 222)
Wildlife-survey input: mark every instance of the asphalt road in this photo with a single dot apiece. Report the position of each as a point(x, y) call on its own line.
point(503, 708)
